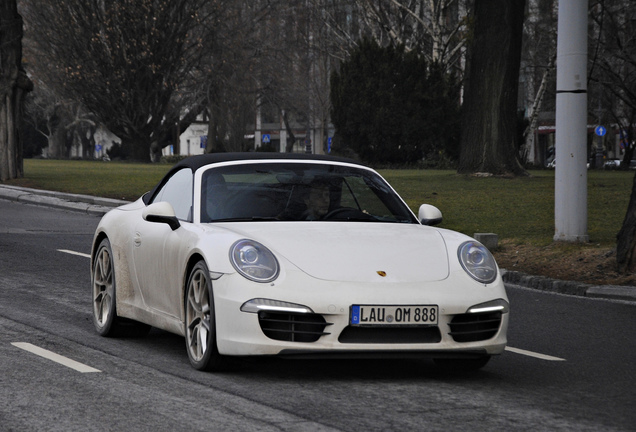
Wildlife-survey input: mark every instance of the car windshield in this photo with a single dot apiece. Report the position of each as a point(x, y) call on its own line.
point(298, 192)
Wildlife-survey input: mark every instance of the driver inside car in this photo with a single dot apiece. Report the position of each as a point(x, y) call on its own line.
point(317, 200)
point(309, 202)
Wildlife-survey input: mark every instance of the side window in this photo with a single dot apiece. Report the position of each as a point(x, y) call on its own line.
point(178, 192)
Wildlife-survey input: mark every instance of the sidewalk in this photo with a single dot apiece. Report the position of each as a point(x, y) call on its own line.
point(99, 206)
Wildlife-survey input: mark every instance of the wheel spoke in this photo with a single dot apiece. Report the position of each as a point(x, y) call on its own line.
point(99, 305)
point(203, 340)
point(195, 343)
point(198, 288)
point(193, 307)
point(205, 322)
point(105, 260)
point(104, 308)
point(194, 323)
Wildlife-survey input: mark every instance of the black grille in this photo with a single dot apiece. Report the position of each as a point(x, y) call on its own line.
point(475, 327)
point(390, 335)
point(292, 327)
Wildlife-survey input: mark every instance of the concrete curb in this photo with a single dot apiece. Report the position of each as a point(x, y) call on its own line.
point(100, 206)
point(82, 203)
point(613, 292)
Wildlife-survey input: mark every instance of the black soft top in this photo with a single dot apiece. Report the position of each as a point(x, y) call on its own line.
point(196, 162)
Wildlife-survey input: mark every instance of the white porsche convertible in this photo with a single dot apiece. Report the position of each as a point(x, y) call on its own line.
point(294, 255)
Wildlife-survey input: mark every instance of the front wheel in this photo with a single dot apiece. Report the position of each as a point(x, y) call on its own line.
point(200, 325)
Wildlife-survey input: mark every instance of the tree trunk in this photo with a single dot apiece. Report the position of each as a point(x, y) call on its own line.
point(14, 84)
point(139, 150)
point(216, 133)
point(629, 148)
point(291, 138)
point(489, 140)
point(626, 238)
point(57, 138)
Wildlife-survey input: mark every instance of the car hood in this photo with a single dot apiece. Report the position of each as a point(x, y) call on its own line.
point(355, 252)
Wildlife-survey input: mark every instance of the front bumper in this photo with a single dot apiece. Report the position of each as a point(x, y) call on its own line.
point(322, 329)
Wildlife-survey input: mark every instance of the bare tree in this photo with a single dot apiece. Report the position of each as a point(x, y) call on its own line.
point(614, 71)
point(14, 84)
point(266, 58)
point(230, 74)
point(128, 62)
point(538, 66)
point(65, 124)
point(294, 86)
point(434, 28)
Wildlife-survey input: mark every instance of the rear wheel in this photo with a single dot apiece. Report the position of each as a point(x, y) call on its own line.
point(105, 318)
point(200, 324)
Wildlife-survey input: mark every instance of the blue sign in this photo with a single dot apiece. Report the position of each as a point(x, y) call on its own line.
point(204, 141)
point(266, 138)
point(329, 144)
point(98, 147)
point(600, 130)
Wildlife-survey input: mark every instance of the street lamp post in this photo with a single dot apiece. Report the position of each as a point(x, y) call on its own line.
point(570, 210)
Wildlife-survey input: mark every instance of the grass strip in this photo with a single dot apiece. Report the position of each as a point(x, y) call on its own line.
point(519, 209)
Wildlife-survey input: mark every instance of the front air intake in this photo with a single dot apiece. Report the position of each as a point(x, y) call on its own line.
point(473, 327)
point(292, 327)
point(390, 335)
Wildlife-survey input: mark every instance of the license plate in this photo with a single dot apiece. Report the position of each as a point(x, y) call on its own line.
point(378, 315)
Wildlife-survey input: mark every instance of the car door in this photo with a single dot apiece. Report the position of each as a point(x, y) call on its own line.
point(159, 253)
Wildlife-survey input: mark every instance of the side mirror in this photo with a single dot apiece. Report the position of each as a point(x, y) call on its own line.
point(161, 212)
point(429, 215)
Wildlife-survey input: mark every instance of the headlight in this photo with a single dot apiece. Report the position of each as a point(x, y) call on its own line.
point(254, 261)
point(477, 261)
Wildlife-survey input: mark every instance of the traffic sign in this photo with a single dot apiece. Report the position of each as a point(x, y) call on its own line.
point(266, 138)
point(600, 131)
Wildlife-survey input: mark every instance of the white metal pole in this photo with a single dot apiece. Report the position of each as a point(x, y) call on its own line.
point(570, 210)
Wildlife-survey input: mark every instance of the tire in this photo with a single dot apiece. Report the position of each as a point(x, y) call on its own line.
point(104, 290)
point(200, 321)
point(461, 365)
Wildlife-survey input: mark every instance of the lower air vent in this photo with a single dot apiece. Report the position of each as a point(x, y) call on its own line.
point(390, 335)
point(475, 327)
point(292, 327)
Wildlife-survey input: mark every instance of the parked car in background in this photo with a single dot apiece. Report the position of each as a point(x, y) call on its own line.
point(249, 254)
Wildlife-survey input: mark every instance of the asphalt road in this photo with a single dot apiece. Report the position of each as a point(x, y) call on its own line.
point(571, 363)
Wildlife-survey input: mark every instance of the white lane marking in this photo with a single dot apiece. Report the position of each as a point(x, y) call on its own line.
point(74, 253)
point(50, 355)
point(533, 354)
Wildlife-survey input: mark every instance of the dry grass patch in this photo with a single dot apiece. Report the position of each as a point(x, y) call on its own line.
point(589, 263)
